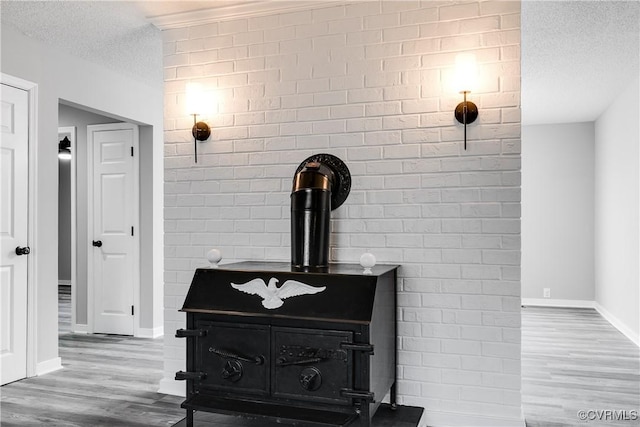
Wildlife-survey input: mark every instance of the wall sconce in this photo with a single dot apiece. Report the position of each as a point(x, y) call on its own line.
point(466, 74)
point(64, 149)
point(196, 105)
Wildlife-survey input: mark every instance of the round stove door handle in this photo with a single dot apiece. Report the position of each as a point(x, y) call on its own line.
point(257, 360)
point(310, 379)
point(232, 371)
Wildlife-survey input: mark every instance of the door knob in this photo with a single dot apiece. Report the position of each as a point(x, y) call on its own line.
point(23, 251)
point(97, 243)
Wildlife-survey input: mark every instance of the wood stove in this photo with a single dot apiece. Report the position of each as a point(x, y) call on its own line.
point(300, 348)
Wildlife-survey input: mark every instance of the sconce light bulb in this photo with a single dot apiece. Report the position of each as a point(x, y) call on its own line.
point(64, 155)
point(466, 72)
point(195, 100)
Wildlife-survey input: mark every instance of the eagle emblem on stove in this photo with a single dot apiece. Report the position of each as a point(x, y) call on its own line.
point(272, 295)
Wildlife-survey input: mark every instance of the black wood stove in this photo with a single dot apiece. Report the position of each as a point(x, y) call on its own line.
point(265, 340)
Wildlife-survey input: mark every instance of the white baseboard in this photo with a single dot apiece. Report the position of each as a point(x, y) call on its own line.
point(548, 302)
point(150, 332)
point(173, 387)
point(48, 366)
point(448, 419)
point(624, 329)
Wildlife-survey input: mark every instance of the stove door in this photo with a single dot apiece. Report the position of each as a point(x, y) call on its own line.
point(234, 357)
point(309, 365)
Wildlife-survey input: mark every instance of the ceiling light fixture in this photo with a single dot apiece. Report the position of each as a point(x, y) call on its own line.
point(64, 149)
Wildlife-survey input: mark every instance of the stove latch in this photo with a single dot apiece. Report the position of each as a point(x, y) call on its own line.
point(367, 396)
point(181, 376)
point(365, 348)
point(256, 360)
point(233, 369)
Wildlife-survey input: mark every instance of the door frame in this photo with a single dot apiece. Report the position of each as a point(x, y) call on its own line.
point(136, 225)
point(71, 130)
point(32, 209)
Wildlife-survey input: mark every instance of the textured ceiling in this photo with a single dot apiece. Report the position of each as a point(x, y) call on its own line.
point(577, 56)
point(115, 34)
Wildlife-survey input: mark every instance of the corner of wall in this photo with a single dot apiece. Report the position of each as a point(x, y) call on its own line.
point(617, 217)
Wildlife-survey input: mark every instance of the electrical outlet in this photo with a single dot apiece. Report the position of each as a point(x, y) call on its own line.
point(546, 292)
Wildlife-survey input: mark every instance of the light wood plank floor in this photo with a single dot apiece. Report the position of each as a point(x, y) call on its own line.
point(572, 359)
point(107, 380)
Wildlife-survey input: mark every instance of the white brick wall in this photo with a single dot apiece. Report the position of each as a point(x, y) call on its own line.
point(369, 83)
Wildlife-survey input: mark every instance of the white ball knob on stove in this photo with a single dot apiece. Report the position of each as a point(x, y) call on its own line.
point(214, 256)
point(367, 261)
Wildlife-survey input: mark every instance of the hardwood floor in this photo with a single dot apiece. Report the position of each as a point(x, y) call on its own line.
point(107, 380)
point(572, 359)
point(64, 309)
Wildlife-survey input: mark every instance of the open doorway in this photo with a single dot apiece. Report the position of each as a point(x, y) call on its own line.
point(66, 217)
point(73, 220)
point(147, 299)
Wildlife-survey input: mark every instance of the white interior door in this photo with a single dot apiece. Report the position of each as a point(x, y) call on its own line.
point(14, 169)
point(113, 213)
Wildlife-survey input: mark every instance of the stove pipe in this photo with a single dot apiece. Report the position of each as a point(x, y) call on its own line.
point(321, 184)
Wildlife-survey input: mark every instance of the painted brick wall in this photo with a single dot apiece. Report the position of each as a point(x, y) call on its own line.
point(370, 83)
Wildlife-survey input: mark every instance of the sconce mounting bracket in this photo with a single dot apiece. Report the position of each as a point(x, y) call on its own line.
point(472, 112)
point(201, 131)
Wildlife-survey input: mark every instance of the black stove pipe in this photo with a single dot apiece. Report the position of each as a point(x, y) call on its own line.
point(310, 217)
point(319, 186)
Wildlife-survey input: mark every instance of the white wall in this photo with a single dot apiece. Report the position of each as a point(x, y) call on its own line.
point(557, 211)
point(61, 76)
point(368, 82)
point(617, 195)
